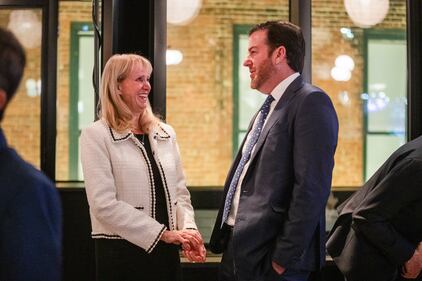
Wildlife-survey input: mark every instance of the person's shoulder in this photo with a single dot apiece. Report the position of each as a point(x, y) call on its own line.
point(167, 129)
point(34, 190)
point(310, 89)
point(33, 175)
point(98, 128)
point(23, 175)
point(312, 95)
point(39, 181)
point(410, 151)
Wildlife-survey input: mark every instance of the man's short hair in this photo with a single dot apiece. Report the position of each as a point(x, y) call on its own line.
point(12, 63)
point(283, 33)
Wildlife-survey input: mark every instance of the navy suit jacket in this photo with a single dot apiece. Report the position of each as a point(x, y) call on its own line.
point(281, 214)
point(30, 221)
point(380, 225)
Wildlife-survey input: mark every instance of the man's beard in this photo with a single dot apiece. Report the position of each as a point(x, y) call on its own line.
point(262, 74)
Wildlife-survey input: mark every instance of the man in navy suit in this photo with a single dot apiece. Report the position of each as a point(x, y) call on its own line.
point(271, 225)
point(30, 212)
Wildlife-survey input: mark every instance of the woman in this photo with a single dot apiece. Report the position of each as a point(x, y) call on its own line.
point(139, 205)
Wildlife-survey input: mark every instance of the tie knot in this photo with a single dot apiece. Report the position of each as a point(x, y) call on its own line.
point(269, 99)
point(266, 106)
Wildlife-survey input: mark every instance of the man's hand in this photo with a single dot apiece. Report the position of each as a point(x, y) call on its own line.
point(196, 255)
point(278, 268)
point(413, 266)
point(191, 241)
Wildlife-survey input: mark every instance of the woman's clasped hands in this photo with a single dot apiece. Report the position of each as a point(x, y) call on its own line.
point(191, 241)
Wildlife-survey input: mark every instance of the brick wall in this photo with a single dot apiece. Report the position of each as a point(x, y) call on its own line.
point(328, 16)
point(21, 123)
point(200, 89)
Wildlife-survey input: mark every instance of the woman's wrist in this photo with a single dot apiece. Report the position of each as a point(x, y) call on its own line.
point(164, 236)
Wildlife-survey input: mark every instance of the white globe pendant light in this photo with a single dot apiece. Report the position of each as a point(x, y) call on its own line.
point(182, 12)
point(27, 27)
point(366, 13)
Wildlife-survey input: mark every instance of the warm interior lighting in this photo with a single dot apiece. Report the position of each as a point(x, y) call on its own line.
point(340, 74)
point(33, 87)
point(182, 12)
point(366, 13)
point(345, 61)
point(27, 27)
point(173, 57)
point(342, 71)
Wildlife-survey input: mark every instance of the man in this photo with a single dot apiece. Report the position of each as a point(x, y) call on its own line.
point(271, 225)
point(30, 213)
point(378, 234)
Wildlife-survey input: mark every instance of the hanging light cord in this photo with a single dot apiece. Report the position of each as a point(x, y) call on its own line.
point(97, 47)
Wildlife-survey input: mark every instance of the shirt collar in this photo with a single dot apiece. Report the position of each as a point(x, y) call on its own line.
point(279, 90)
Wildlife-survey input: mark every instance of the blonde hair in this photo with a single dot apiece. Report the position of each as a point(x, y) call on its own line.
point(112, 108)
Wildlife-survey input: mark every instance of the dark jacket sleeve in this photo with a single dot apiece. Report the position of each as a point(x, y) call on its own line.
point(31, 234)
point(373, 217)
point(315, 140)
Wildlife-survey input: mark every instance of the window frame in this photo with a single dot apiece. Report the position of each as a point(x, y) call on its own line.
point(74, 96)
point(48, 77)
point(377, 34)
point(238, 30)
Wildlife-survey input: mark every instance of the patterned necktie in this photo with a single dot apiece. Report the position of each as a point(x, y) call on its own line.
point(265, 109)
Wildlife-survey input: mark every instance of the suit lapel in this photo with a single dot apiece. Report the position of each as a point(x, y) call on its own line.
point(282, 103)
point(295, 86)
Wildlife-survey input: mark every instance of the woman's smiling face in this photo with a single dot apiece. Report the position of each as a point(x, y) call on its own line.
point(135, 89)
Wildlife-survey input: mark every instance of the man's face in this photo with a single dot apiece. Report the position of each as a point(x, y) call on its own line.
point(259, 61)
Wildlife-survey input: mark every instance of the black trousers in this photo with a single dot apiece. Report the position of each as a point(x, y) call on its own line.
point(227, 270)
point(120, 260)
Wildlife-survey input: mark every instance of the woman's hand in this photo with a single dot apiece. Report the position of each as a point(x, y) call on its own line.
point(174, 237)
point(195, 251)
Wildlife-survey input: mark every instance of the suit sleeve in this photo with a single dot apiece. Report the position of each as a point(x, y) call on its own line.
point(400, 188)
point(315, 140)
point(32, 233)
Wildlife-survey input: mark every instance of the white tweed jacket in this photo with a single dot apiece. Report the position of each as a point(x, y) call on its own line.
point(118, 180)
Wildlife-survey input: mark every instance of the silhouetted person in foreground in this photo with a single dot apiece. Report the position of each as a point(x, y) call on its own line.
point(378, 234)
point(30, 212)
